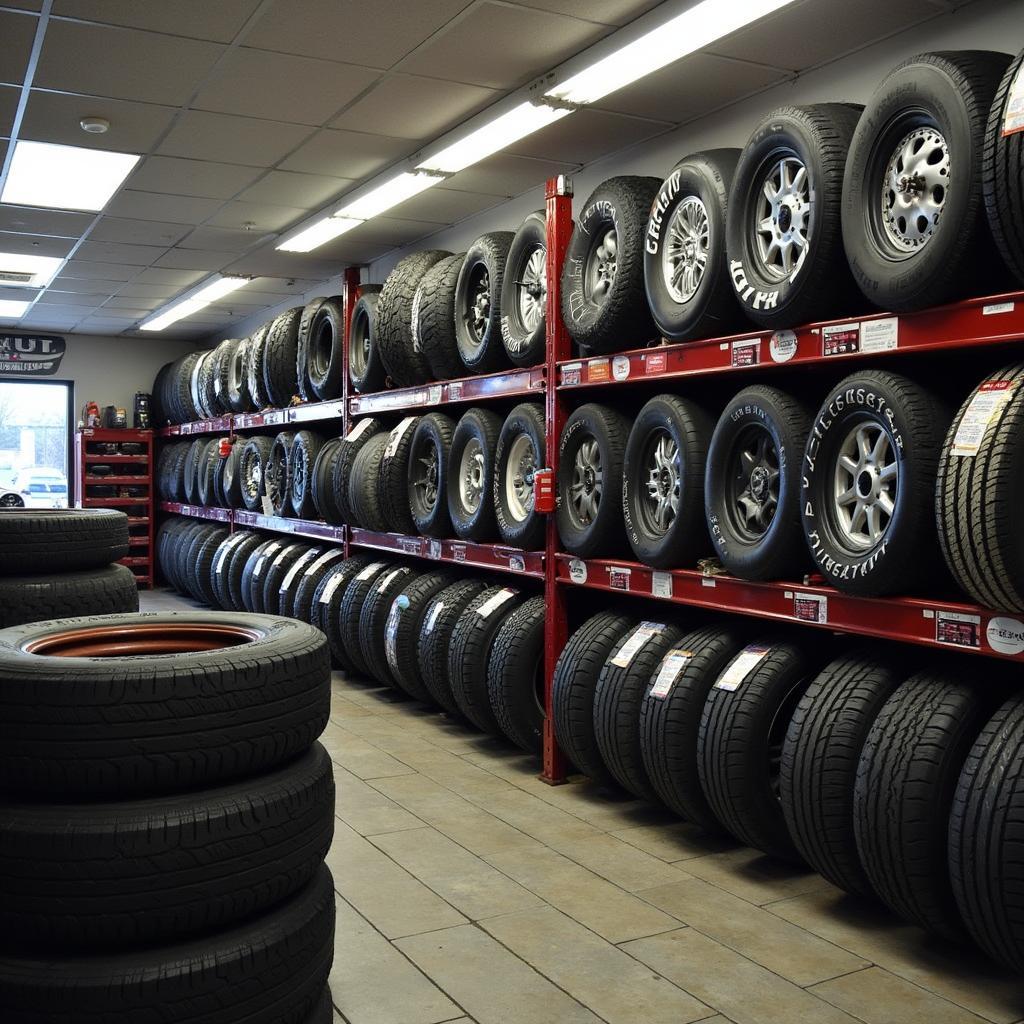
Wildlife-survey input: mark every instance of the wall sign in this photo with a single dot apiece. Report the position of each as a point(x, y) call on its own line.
point(31, 355)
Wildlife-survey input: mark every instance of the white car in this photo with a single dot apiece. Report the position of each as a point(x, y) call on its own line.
point(43, 488)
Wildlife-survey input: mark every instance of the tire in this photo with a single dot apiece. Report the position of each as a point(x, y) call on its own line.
point(404, 627)
point(289, 585)
point(307, 584)
point(277, 473)
point(984, 856)
point(402, 363)
point(302, 353)
point(903, 796)
point(901, 261)
point(889, 547)
point(978, 494)
point(354, 597)
point(393, 478)
point(519, 454)
point(252, 465)
point(323, 491)
point(133, 724)
point(227, 478)
point(374, 618)
point(515, 676)
point(177, 473)
point(819, 764)
point(277, 574)
point(329, 597)
point(524, 290)
point(756, 532)
point(439, 620)
point(181, 398)
point(280, 358)
point(237, 396)
point(796, 272)
point(433, 318)
point(470, 650)
point(670, 717)
point(604, 308)
point(363, 496)
point(256, 357)
point(61, 539)
point(471, 475)
point(1001, 172)
point(667, 450)
point(228, 565)
point(204, 385)
point(590, 456)
point(686, 271)
point(279, 960)
point(743, 725)
point(188, 557)
point(325, 359)
point(301, 459)
point(254, 573)
point(478, 304)
point(618, 696)
point(206, 470)
point(180, 550)
point(365, 369)
point(429, 461)
point(200, 567)
point(193, 459)
point(79, 592)
point(185, 865)
point(223, 357)
point(342, 462)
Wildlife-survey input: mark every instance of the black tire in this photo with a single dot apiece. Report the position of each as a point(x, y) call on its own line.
point(470, 650)
point(307, 584)
point(342, 462)
point(325, 614)
point(433, 318)
point(478, 303)
point(363, 495)
point(227, 480)
point(277, 575)
point(237, 395)
point(1003, 173)
point(206, 471)
point(280, 961)
point(590, 456)
point(365, 369)
point(686, 271)
point(819, 764)
point(179, 550)
point(393, 478)
point(223, 357)
point(752, 484)
point(403, 364)
point(228, 565)
point(176, 473)
point(618, 696)
point(79, 592)
point(403, 629)
point(524, 291)
point(984, 826)
point(254, 573)
point(429, 461)
point(322, 489)
point(471, 475)
point(325, 357)
point(515, 676)
point(978, 495)
point(375, 617)
point(900, 259)
point(188, 554)
point(906, 779)
point(301, 459)
point(60, 539)
point(181, 397)
point(889, 547)
point(280, 358)
point(132, 724)
point(519, 454)
point(440, 617)
point(200, 567)
point(670, 717)
point(260, 841)
point(206, 397)
point(742, 729)
point(302, 353)
point(277, 473)
point(353, 598)
point(604, 308)
point(252, 465)
point(256, 357)
point(196, 450)
point(667, 449)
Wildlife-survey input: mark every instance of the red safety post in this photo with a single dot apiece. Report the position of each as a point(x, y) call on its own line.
point(558, 203)
point(349, 297)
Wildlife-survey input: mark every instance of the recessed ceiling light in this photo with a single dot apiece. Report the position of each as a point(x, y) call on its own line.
point(64, 177)
point(20, 271)
point(11, 309)
point(391, 193)
point(319, 233)
point(198, 300)
point(95, 125)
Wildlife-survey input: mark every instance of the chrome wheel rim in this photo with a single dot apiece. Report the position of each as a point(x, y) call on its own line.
point(532, 290)
point(599, 275)
point(684, 257)
point(915, 187)
point(522, 464)
point(587, 482)
point(866, 483)
point(662, 487)
point(754, 483)
point(783, 218)
point(471, 476)
point(478, 303)
point(425, 484)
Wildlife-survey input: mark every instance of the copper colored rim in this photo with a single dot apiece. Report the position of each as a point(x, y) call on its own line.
point(124, 641)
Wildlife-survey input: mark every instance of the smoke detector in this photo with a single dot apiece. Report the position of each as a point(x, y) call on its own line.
point(95, 125)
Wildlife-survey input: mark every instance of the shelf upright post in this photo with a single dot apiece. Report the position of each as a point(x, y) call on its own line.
point(558, 204)
point(349, 298)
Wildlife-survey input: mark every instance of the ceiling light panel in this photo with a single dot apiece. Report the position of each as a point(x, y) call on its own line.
point(12, 310)
point(319, 233)
point(21, 271)
point(209, 293)
point(391, 193)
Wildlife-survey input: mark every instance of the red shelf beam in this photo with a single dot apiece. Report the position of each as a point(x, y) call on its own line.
point(312, 528)
point(220, 515)
point(218, 425)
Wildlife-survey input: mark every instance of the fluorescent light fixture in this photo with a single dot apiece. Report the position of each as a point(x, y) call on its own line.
point(193, 303)
point(20, 271)
point(11, 309)
point(319, 233)
point(64, 177)
point(391, 193)
point(690, 31)
point(501, 132)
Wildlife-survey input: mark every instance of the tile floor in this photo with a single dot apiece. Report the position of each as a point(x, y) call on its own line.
point(471, 891)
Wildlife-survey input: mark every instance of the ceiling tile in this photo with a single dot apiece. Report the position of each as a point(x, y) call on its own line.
point(17, 31)
point(9, 96)
point(59, 310)
point(87, 270)
point(279, 287)
point(390, 231)
point(347, 154)
point(262, 217)
point(25, 5)
point(55, 117)
point(119, 252)
point(58, 320)
point(444, 205)
point(104, 325)
point(342, 30)
point(43, 222)
point(149, 291)
point(408, 107)
point(218, 21)
point(245, 140)
point(301, 191)
point(282, 87)
point(608, 12)
point(503, 47)
point(507, 175)
point(194, 259)
point(35, 245)
point(215, 239)
point(134, 303)
point(123, 63)
point(19, 294)
point(89, 287)
point(78, 299)
point(202, 178)
point(587, 135)
point(138, 232)
point(288, 265)
point(177, 279)
point(169, 209)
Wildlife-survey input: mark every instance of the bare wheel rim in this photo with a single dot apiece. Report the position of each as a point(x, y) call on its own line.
point(661, 487)
point(359, 345)
point(865, 486)
point(478, 305)
point(522, 464)
point(532, 290)
point(11, 500)
point(471, 476)
point(428, 469)
point(783, 218)
point(754, 478)
point(599, 273)
point(684, 256)
point(915, 187)
point(587, 481)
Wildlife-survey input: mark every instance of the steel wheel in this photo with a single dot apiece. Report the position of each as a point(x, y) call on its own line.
point(11, 500)
point(753, 483)
point(914, 188)
point(359, 345)
point(478, 305)
point(782, 231)
point(659, 495)
point(471, 476)
point(599, 273)
point(532, 290)
point(522, 464)
point(587, 482)
point(865, 486)
point(424, 485)
point(684, 257)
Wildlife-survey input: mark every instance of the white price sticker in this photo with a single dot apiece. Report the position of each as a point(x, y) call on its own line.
point(282, 555)
point(741, 666)
point(636, 640)
point(325, 559)
point(396, 436)
point(661, 584)
point(1013, 112)
point(267, 505)
point(359, 429)
point(673, 664)
point(435, 614)
point(434, 394)
point(987, 405)
point(391, 630)
point(369, 570)
point(225, 550)
point(332, 585)
point(880, 335)
point(500, 598)
point(299, 565)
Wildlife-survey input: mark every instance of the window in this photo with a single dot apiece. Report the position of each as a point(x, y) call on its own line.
point(35, 427)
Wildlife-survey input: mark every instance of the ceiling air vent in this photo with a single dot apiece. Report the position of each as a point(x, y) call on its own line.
point(16, 276)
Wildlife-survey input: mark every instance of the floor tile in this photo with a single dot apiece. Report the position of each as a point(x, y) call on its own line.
point(366, 810)
point(536, 818)
point(625, 866)
point(362, 759)
point(674, 842)
point(755, 877)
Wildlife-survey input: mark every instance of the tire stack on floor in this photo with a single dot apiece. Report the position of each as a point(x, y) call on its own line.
point(58, 562)
point(165, 811)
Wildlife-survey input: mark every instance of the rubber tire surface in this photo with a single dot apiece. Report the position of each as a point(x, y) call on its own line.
point(528, 532)
point(325, 613)
point(308, 582)
point(1003, 177)
point(255, 454)
point(524, 347)
point(435, 431)
point(363, 492)
point(433, 318)
point(364, 317)
point(276, 574)
point(483, 426)
point(326, 369)
point(280, 358)
point(59, 595)
point(513, 673)
point(439, 620)
point(342, 462)
point(61, 539)
point(393, 478)
point(373, 619)
point(355, 596)
point(305, 448)
point(416, 596)
point(487, 254)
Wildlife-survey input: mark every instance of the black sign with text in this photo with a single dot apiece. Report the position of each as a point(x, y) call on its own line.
point(29, 355)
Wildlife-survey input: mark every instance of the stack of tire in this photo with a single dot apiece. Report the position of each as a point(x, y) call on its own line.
point(893, 779)
point(59, 562)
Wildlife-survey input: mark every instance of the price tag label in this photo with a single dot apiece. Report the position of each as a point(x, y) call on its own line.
point(397, 434)
point(741, 666)
point(435, 614)
point(810, 607)
point(332, 585)
point(577, 570)
point(635, 641)
point(517, 563)
point(987, 405)
point(358, 430)
point(300, 564)
point(671, 667)
point(391, 630)
point(500, 598)
point(370, 570)
point(958, 629)
point(655, 362)
point(1013, 112)
point(435, 549)
point(599, 371)
point(618, 577)
point(455, 390)
point(880, 335)
point(434, 394)
point(411, 545)
point(840, 339)
point(458, 552)
point(661, 584)
point(746, 352)
point(571, 373)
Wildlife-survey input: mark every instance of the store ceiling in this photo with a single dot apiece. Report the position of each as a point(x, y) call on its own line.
point(253, 114)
